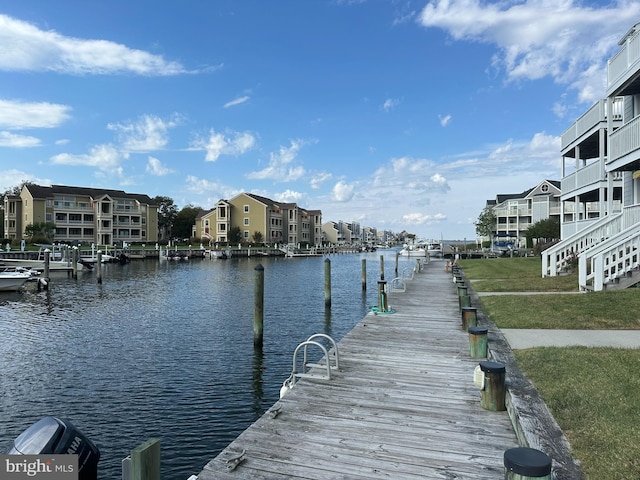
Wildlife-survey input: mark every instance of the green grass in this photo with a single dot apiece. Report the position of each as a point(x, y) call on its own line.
point(593, 393)
point(596, 310)
point(523, 274)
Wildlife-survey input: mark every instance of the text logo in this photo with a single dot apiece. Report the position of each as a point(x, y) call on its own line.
point(39, 467)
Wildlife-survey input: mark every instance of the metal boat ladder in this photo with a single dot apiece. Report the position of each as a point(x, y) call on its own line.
point(321, 371)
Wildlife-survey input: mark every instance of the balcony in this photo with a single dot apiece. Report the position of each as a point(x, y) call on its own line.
point(589, 121)
point(624, 144)
point(623, 65)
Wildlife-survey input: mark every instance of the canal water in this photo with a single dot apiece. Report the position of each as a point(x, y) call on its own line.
point(164, 349)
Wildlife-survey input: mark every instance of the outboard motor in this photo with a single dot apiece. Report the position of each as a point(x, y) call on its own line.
point(54, 436)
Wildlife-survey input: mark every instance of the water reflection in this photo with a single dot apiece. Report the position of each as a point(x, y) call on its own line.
point(164, 349)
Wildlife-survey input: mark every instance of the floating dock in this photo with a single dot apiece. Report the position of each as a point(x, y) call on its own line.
point(402, 405)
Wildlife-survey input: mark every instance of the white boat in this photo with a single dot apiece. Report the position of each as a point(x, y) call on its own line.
point(56, 260)
point(434, 249)
point(414, 251)
point(13, 280)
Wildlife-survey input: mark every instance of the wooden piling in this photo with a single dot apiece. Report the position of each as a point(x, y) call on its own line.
point(258, 308)
point(493, 393)
point(465, 301)
point(469, 317)
point(47, 259)
point(327, 282)
point(99, 266)
point(397, 260)
point(523, 463)
point(478, 345)
point(145, 461)
point(75, 256)
point(364, 274)
point(382, 268)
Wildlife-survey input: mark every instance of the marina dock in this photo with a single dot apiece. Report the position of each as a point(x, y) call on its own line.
point(402, 405)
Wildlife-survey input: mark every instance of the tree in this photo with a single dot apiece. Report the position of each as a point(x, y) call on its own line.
point(235, 235)
point(167, 213)
point(184, 221)
point(543, 231)
point(486, 223)
point(257, 237)
point(17, 189)
point(44, 230)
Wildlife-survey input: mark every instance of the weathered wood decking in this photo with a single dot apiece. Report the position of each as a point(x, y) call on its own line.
point(402, 406)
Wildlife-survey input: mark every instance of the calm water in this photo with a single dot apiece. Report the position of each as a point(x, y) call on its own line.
point(165, 349)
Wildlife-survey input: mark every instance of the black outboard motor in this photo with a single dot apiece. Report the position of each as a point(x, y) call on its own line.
point(54, 436)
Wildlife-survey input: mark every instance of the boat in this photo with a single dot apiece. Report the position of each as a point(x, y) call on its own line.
point(175, 255)
point(57, 260)
point(418, 250)
point(422, 249)
point(217, 253)
point(434, 249)
point(12, 280)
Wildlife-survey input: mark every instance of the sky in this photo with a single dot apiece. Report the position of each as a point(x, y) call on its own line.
point(399, 115)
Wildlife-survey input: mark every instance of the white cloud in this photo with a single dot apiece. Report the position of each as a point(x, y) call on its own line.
point(318, 179)
point(390, 103)
point(421, 218)
point(279, 168)
point(25, 47)
point(155, 168)
point(567, 41)
point(147, 134)
point(290, 196)
point(104, 157)
point(444, 120)
point(229, 143)
point(237, 101)
point(342, 191)
point(13, 178)
point(16, 115)
point(8, 139)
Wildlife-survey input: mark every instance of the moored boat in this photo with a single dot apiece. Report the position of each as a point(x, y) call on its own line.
point(59, 259)
point(13, 280)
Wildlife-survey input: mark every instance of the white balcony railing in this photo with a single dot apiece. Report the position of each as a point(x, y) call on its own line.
point(555, 258)
point(621, 62)
point(625, 140)
point(590, 119)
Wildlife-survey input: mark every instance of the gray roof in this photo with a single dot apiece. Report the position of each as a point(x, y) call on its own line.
point(39, 191)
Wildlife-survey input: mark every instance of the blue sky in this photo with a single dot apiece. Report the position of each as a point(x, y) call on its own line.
point(400, 115)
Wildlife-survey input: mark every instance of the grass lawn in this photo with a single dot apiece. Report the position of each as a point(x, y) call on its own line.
point(593, 393)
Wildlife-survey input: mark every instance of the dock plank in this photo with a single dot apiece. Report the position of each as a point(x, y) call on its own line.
point(402, 406)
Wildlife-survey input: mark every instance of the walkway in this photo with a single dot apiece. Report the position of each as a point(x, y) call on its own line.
point(402, 406)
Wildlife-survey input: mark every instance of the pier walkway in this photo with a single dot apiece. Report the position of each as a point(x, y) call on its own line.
point(403, 404)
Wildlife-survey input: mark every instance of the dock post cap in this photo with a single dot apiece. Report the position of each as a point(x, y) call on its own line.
point(477, 330)
point(492, 367)
point(527, 461)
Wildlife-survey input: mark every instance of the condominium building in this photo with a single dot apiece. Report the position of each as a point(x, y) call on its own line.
point(79, 214)
point(516, 212)
point(274, 222)
point(601, 177)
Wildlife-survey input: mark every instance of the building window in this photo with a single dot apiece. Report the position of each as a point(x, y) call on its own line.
point(246, 234)
point(246, 209)
point(246, 221)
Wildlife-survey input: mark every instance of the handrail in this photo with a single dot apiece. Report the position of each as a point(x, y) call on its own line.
point(334, 349)
point(609, 260)
point(290, 382)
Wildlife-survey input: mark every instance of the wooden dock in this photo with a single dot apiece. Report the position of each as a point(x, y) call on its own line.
point(403, 404)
